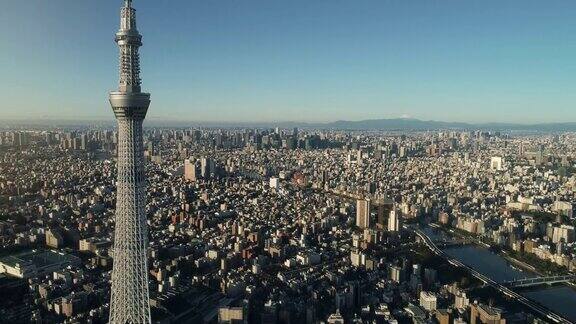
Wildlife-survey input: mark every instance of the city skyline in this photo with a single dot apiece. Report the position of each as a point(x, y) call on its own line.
point(270, 225)
point(300, 61)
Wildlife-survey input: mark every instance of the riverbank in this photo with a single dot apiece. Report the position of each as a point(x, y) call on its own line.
point(523, 265)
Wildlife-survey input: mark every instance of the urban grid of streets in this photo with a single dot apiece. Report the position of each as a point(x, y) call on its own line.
point(287, 226)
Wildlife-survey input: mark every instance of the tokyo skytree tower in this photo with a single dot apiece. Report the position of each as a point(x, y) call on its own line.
point(129, 299)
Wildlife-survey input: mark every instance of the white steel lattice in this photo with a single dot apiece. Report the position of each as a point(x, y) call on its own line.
point(129, 302)
point(129, 66)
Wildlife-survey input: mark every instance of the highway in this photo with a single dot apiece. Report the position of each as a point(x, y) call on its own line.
point(503, 289)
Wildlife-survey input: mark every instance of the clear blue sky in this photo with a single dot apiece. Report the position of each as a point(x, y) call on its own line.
point(297, 60)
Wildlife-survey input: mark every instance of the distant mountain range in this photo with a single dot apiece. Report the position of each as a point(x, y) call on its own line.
point(416, 124)
point(408, 124)
point(394, 124)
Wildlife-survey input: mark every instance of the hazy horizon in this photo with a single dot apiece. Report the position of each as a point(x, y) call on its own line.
point(365, 123)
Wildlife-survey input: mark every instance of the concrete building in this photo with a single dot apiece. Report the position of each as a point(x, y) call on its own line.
point(232, 315)
point(497, 163)
point(190, 170)
point(394, 221)
point(363, 213)
point(54, 238)
point(428, 300)
point(36, 263)
point(480, 313)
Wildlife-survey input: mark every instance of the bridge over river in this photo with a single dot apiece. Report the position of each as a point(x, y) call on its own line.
point(502, 287)
point(529, 282)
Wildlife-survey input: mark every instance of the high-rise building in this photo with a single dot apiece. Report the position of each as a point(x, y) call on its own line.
point(461, 301)
point(274, 183)
point(395, 273)
point(22, 139)
point(150, 148)
point(207, 167)
point(84, 142)
point(383, 210)
point(129, 298)
point(563, 208)
point(480, 313)
point(496, 163)
point(54, 239)
point(190, 170)
point(394, 221)
point(564, 233)
point(363, 213)
point(428, 300)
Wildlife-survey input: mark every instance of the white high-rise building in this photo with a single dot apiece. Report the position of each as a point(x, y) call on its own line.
point(207, 167)
point(394, 221)
point(461, 301)
point(428, 300)
point(497, 163)
point(274, 183)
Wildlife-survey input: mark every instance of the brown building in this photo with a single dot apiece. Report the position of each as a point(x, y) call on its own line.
point(443, 218)
point(190, 170)
point(383, 208)
point(443, 316)
point(363, 213)
point(74, 304)
point(484, 314)
point(529, 245)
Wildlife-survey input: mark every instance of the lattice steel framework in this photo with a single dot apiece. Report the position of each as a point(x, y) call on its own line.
point(129, 299)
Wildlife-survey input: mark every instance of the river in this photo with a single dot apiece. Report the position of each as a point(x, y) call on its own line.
point(488, 263)
point(560, 299)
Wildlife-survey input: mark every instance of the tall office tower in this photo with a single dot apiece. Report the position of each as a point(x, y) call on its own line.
point(394, 221)
point(385, 206)
point(207, 167)
point(363, 213)
point(22, 139)
point(150, 148)
point(84, 142)
point(190, 170)
point(129, 301)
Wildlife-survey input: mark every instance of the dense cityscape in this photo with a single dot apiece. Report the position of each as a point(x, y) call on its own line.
point(295, 225)
point(299, 202)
